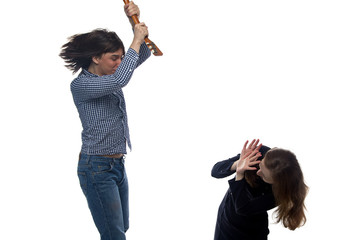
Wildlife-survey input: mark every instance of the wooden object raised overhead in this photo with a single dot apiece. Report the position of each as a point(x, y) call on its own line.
point(150, 44)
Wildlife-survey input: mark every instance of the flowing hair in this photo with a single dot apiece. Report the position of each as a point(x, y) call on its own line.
point(81, 48)
point(288, 187)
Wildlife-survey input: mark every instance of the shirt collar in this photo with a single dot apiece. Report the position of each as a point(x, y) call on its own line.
point(88, 74)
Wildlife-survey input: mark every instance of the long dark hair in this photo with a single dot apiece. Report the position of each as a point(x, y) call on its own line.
point(81, 48)
point(288, 187)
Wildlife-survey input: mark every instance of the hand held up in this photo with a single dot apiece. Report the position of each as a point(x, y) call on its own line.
point(132, 11)
point(248, 159)
point(140, 32)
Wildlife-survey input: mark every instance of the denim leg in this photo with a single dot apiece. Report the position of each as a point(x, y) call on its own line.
point(104, 183)
point(124, 197)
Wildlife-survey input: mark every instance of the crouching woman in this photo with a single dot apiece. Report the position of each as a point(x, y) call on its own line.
point(265, 178)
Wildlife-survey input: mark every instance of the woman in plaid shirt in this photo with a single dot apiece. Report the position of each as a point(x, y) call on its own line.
point(97, 92)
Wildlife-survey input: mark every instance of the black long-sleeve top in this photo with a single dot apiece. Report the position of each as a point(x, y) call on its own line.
point(242, 214)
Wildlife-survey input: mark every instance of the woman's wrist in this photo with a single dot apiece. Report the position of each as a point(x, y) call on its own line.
point(239, 176)
point(136, 45)
point(233, 166)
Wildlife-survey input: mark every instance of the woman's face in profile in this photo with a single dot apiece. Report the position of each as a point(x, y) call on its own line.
point(264, 172)
point(108, 62)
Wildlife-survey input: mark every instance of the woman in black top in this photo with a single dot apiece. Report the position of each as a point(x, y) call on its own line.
point(258, 187)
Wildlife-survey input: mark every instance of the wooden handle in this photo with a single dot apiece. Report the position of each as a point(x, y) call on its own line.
point(150, 44)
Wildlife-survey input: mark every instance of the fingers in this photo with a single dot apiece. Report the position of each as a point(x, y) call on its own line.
point(254, 143)
point(132, 9)
point(252, 162)
point(258, 148)
point(140, 32)
point(254, 155)
point(244, 147)
point(250, 166)
point(252, 146)
point(248, 161)
point(142, 29)
point(252, 158)
point(249, 156)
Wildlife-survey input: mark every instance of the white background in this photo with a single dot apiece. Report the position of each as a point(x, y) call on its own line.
point(282, 71)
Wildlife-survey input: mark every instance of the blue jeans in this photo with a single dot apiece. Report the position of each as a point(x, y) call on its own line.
point(104, 182)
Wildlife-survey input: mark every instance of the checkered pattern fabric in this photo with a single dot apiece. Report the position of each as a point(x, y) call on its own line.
point(101, 105)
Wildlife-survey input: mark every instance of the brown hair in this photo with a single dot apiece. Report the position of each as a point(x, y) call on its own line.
point(288, 187)
point(81, 48)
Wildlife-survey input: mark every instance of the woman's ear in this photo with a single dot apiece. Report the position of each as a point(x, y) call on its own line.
point(96, 59)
